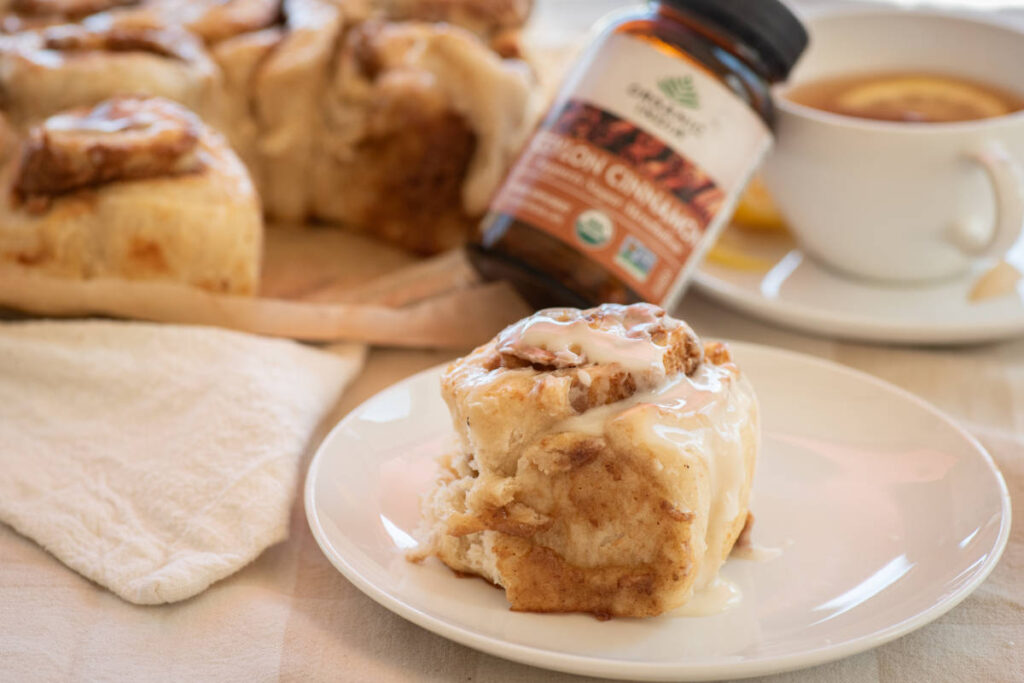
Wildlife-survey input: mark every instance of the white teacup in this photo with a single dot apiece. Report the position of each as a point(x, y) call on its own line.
point(899, 201)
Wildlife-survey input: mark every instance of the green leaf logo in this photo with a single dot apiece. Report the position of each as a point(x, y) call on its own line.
point(680, 89)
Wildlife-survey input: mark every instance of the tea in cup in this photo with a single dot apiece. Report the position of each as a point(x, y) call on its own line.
point(907, 97)
point(900, 144)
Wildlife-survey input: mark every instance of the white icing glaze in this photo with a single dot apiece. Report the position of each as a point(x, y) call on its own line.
point(716, 443)
point(755, 553)
point(696, 420)
point(571, 341)
point(595, 346)
point(102, 122)
point(718, 596)
point(683, 395)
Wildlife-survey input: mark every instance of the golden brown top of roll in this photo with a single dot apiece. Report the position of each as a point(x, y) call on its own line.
point(641, 338)
point(50, 45)
point(69, 9)
point(560, 363)
point(21, 15)
point(216, 20)
point(163, 42)
point(125, 138)
point(480, 16)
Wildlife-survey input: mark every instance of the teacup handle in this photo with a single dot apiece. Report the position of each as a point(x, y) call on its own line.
point(1008, 185)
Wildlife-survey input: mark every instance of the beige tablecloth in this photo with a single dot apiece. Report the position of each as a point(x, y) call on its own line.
point(291, 616)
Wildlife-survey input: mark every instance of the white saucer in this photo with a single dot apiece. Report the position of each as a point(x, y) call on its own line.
point(888, 515)
point(794, 291)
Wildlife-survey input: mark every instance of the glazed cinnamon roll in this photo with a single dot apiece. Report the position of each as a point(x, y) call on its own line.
point(133, 188)
point(604, 462)
point(48, 70)
point(421, 122)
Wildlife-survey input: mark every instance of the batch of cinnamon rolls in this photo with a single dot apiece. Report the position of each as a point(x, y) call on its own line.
point(150, 139)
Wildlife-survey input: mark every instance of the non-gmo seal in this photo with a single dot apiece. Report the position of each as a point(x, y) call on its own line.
point(594, 228)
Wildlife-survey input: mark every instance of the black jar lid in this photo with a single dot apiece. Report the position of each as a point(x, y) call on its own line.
point(768, 26)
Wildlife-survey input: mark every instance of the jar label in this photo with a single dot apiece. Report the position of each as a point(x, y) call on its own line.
point(638, 166)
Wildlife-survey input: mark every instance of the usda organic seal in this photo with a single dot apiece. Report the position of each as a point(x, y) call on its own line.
point(594, 228)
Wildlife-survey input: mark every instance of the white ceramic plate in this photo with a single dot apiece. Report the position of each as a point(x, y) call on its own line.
point(888, 514)
point(797, 292)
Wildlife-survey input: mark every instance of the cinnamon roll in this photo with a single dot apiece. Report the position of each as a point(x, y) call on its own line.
point(604, 462)
point(48, 70)
point(133, 188)
point(421, 121)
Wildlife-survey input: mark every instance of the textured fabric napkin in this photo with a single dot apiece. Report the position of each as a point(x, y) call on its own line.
point(156, 459)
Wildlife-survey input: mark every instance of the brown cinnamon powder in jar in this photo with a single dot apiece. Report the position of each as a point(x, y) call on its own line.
point(638, 164)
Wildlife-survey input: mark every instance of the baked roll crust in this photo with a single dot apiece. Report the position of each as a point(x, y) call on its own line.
point(65, 9)
point(497, 22)
point(46, 71)
point(275, 82)
point(604, 463)
point(77, 149)
point(484, 17)
point(133, 188)
point(288, 98)
point(216, 20)
point(20, 15)
point(210, 20)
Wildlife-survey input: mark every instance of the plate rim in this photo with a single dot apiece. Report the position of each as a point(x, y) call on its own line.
point(825, 323)
point(585, 665)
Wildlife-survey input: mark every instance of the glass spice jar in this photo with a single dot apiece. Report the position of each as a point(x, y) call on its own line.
point(639, 163)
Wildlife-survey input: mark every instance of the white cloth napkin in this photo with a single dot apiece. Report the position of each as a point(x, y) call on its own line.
point(156, 459)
